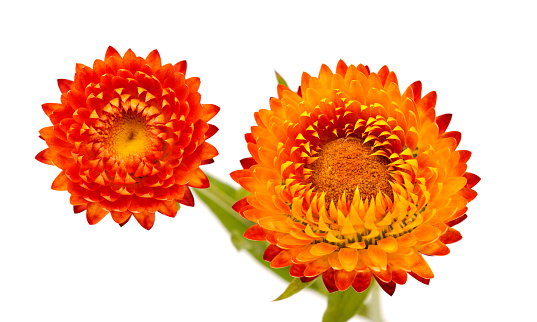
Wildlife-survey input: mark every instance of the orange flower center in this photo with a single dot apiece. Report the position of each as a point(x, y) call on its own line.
point(129, 135)
point(345, 164)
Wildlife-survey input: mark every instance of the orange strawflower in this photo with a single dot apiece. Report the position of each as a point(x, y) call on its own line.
point(352, 180)
point(129, 137)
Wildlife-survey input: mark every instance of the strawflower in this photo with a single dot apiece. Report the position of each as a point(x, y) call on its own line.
point(129, 137)
point(352, 180)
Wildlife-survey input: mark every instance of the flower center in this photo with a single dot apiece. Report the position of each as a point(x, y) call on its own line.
point(346, 164)
point(129, 135)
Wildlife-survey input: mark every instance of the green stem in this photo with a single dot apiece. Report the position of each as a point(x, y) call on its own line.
point(372, 309)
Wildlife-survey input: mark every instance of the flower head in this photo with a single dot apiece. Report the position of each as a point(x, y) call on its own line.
point(352, 180)
point(129, 136)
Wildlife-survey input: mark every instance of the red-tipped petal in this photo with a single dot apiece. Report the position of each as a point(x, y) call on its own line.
point(180, 67)
point(389, 288)
point(270, 252)
point(451, 236)
point(329, 281)
point(471, 179)
point(418, 278)
point(256, 232)
point(246, 163)
point(344, 279)
point(65, 85)
point(188, 198)
point(145, 219)
point(443, 121)
point(111, 52)
point(362, 281)
point(457, 221)
point(45, 156)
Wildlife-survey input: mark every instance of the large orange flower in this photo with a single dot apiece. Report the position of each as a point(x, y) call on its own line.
point(129, 137)
point(352, 180)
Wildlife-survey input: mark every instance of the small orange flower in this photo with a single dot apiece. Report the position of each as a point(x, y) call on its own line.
point(352, 180)
point(129, 137)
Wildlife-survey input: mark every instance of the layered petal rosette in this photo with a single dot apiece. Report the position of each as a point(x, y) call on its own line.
point(129, 137)
point(352, 180)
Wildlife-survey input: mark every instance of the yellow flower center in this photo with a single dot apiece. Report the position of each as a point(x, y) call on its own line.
point(129, 135)
point(345, 164)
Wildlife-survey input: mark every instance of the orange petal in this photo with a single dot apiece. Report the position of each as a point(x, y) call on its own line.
point(426, 232)
point(420, 267)
point(206, 151)
point(377, 256)
point(209, 111)
point(153, 59)
point(348, 258)
point(95, 213)
point(198, 179)
point(436, 248)
point(388, 244)
point(121, 217)
point(322, 249)
point(168, 208)
point(317, 267)
point(60, 183)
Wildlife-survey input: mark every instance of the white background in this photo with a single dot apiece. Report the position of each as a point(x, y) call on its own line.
point(479, 56)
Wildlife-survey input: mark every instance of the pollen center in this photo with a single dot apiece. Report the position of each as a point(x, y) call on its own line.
point(129, 135)
point(346, 164)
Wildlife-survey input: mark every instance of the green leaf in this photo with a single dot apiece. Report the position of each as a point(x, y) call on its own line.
point(280, 79)
point(371, 309)
point(294, 287)
point(220, 197)
point(239, 241)
point(342, 306)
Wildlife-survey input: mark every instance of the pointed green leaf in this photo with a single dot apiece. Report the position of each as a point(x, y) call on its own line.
point(342, 306)
point(280, 79)
point(294, 287)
